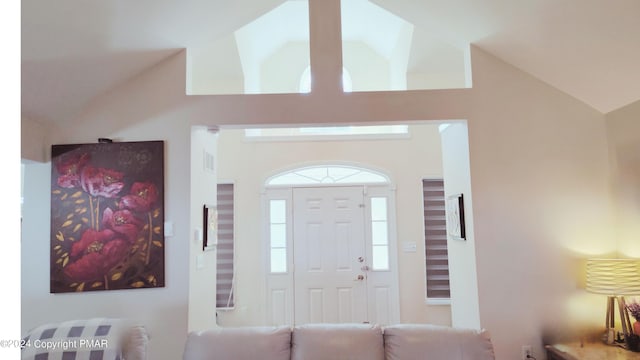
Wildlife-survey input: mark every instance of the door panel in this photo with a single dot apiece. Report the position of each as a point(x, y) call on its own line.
point(312, 241)
point(382, 302)
point(328, 236)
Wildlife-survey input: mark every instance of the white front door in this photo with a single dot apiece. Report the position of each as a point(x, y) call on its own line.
point(332, 255)
point(329, 252)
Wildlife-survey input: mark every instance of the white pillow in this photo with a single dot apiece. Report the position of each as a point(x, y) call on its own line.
point(96, 338)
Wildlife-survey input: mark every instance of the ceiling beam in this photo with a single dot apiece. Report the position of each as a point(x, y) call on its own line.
point(325, 46)
point(343, 108)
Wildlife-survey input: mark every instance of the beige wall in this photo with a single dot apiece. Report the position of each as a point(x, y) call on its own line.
point(540, 182)
point(249, 163)
point(624, 145)
point(32, 140)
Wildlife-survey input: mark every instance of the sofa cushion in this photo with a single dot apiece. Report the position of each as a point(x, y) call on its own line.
point(337, 342)
point(432, 342)
point(265, 343)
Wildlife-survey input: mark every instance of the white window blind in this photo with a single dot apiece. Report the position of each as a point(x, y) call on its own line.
point(435, 238)
point(224, 274)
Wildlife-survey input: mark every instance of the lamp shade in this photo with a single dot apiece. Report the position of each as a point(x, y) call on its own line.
point(613, 276)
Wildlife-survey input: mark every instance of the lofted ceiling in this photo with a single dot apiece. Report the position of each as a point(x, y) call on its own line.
point(76, 50)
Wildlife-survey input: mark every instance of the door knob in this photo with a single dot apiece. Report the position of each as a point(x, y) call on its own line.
point(360, 259)
point(359, 278)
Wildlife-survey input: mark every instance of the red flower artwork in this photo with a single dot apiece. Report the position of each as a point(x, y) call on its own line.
point(122, 222)
point(141, 198)
point(101, 182)
point(69, 170)
point(95, 255)
point(107, 216)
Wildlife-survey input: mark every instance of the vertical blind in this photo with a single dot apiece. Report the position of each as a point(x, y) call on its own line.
point(224, 274)
point(435, 238)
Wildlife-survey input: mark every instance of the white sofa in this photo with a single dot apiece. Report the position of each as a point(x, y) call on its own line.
point(340, 342)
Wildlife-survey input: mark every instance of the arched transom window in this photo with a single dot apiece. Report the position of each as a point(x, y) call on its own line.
point(328, 174)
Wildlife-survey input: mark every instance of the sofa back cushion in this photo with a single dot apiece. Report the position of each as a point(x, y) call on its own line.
point(337, 342)
point(265, 343)
point(432, 342)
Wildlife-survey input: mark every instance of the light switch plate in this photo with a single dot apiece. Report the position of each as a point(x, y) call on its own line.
point(409, 246)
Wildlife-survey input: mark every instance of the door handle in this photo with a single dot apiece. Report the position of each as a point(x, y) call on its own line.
point(359, 278)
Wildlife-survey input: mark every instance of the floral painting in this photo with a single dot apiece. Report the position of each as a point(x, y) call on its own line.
point(107, 216)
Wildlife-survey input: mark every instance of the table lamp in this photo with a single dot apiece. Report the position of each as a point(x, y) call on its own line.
point(614, 278)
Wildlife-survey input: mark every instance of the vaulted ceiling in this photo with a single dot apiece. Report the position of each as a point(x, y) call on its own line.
point(75, 50)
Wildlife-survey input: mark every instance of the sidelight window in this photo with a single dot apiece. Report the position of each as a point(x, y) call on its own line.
point(379, 234)
point(278, 235)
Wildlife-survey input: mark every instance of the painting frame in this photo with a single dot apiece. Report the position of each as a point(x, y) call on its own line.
point(107, 216)
point(455, 217)
point(210, 226)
